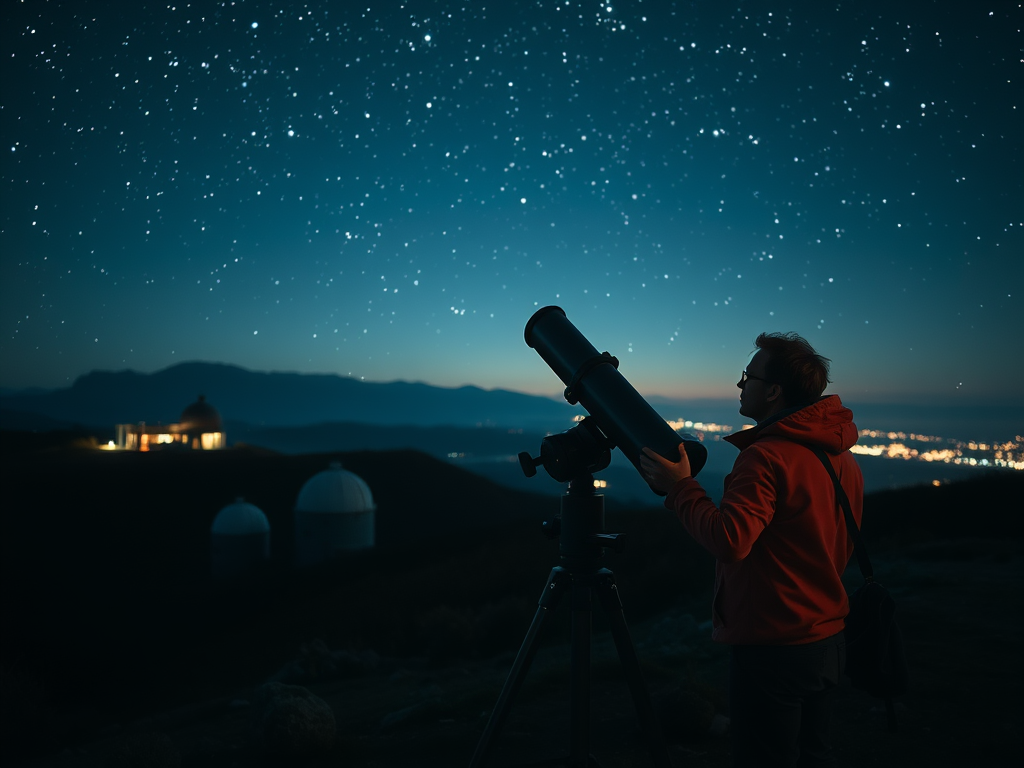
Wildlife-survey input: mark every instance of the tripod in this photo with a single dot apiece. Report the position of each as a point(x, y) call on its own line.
point(581, 575)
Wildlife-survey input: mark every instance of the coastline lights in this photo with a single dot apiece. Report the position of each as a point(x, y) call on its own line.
point(1006, 455)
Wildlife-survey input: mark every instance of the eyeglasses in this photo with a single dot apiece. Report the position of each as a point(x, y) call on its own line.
point(745, 377)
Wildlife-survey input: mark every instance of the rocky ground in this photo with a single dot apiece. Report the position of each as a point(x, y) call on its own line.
point(960, 605)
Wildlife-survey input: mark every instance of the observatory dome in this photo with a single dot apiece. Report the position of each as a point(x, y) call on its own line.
point(201, 417)
point(239, 541)
point(240, 519)
point(335, 490)
point(334, 514)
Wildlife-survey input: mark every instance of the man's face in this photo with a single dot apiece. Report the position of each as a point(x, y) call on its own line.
point(755, 391)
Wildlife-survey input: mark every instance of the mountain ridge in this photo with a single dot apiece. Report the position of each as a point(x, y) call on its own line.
point(283, 399)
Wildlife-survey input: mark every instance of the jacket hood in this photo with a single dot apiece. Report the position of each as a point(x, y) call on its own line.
point(826, 424)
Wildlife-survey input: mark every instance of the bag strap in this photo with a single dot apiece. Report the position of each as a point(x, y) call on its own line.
point(851, 525)
point(860, 550)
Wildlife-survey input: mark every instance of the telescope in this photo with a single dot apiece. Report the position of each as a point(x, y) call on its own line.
point(619, 417)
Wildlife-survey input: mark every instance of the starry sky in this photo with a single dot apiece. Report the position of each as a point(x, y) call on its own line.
point(389, 190)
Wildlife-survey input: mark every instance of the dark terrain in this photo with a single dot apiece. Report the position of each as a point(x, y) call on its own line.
point(113, 635)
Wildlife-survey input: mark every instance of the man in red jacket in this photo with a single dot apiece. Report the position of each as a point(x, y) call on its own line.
point(781, 543)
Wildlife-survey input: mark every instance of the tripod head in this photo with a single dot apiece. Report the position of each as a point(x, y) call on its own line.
point(567, 455)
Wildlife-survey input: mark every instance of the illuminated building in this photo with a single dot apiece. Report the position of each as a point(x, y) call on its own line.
point(200, 429)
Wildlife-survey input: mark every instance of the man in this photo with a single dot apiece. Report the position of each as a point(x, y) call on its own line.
point(781, 543)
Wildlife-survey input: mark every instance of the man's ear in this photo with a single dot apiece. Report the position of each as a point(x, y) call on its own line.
point(775, 394)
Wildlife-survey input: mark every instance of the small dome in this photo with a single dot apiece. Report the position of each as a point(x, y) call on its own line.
point(335, 490)
point(239, 519)
point(201, 417)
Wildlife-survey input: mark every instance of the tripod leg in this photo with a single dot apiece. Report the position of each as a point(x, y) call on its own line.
point(609, 596)
point(558, 581)
point(579, 699)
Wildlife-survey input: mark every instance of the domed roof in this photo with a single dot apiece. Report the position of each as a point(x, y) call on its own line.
point(201, 417)
point(335, 490)
point(239, 519)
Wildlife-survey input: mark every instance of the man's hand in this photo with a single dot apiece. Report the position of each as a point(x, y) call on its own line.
point(660, 473)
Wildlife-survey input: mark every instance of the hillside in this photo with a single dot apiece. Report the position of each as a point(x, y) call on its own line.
point(109, 611)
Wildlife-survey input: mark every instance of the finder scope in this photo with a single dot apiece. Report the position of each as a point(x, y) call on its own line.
point(593, 380)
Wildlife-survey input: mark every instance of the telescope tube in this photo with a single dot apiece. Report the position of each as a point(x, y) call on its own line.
point(594, 381)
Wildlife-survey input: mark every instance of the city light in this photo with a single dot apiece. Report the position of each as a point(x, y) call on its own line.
point(700, 426)
point(912, 446)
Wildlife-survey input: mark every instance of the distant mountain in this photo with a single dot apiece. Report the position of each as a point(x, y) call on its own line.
point(26, 421)
point(278, 399)
point(7, 391)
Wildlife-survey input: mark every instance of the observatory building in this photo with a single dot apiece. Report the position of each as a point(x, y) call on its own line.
point(200, 429)
point(239, 540)
point(334, 514)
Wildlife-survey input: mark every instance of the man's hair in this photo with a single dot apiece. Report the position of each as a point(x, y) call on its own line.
point(795, 366)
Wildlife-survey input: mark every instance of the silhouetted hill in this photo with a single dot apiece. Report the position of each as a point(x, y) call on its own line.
point(105, 556)
point(24, 421)
point(107, 600)
point(420, 500)
point(352, 436)
point(487, 451)
point(988, 506)
point(104, 397)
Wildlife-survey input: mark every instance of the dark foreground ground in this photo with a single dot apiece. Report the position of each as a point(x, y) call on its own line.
point(961, 607)
point(116, 649)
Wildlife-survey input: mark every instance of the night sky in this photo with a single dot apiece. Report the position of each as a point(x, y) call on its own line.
point(389, 190)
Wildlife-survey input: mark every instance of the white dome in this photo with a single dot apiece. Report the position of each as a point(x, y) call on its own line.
point(239, 519)
point(335, 490)
point(334, 515)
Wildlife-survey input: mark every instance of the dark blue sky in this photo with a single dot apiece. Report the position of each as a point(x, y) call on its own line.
point(390, 190)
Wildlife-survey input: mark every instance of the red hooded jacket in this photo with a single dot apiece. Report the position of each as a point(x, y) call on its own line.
point(780, 537)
